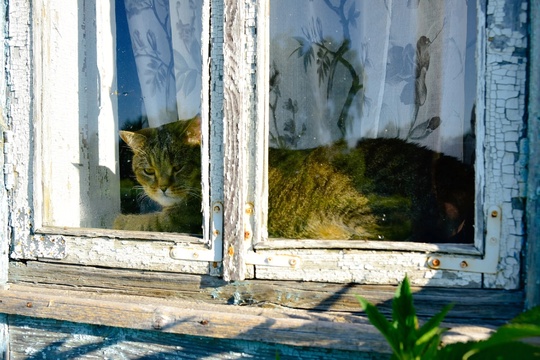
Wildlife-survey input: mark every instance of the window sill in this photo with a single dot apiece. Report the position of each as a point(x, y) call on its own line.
point(282, 312)
point(275, 325)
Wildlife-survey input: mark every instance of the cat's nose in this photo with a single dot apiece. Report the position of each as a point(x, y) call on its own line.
point(164, 188)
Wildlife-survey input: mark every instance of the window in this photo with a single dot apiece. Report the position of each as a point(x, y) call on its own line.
point(74, 173)
point(347, 79)
point(310, 75)
point(61, 65)
point(161, 43)
point(130, 65)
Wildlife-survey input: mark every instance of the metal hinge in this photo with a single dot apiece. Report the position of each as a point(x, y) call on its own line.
point(486, 264)
point(202, 252)
point(190, 252)
point(253, 258)
point(8, 160)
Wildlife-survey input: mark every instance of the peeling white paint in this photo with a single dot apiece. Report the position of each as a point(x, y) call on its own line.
point(501, 171)
point(504, 121)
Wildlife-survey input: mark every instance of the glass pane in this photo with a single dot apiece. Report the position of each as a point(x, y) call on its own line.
point(371, 127)
point(159, 91)
point(123, 134)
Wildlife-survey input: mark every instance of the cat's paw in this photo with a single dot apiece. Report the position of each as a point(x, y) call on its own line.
point(142, 222)
point(130, 222)
point(121, 222)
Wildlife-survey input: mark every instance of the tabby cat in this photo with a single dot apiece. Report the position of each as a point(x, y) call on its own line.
point(167, 163)
point(381, 189)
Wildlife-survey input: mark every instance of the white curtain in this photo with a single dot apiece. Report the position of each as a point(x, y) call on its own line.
point(165, 37)
point(388, 68)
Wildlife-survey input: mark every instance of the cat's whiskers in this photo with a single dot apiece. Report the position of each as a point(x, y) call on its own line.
point(192, 191)
point(195, 192)
point(142, 195)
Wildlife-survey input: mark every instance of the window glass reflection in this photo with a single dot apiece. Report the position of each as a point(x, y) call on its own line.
point(159, 89)
point(371, 123)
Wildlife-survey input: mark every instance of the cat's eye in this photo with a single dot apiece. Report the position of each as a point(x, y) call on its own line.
point(149, 171)
point(176, 168)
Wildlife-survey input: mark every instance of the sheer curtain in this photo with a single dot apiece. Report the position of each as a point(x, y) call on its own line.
point(353, 69)
point(165, 37)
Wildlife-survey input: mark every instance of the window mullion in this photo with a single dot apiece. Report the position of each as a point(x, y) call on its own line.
point(236, 112)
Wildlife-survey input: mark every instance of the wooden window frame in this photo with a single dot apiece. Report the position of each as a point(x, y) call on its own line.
point(497, 244)
point(173, 302)
point(33, 239)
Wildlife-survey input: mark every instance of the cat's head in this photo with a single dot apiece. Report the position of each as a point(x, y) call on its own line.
point(166, 160)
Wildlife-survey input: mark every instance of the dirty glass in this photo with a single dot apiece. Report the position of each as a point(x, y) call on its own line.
point(372, 120)
point(159, 90)
point(122, 136)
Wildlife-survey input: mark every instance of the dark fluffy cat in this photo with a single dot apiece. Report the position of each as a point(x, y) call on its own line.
point(381, 189)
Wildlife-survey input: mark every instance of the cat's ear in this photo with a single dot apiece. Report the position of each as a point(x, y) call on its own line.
point(193, 131)
point(135, 141)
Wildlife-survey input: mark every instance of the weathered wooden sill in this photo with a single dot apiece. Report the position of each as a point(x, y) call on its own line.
point(290, 313)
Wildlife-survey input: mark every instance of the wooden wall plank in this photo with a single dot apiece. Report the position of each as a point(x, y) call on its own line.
point(280, 326)
point(471, 305)
point(189, 318)
point(532, 270)
point(65, 340)
point(4, 337)
point(6, 174)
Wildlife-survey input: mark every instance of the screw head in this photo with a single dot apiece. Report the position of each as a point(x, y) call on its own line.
point(292, 262)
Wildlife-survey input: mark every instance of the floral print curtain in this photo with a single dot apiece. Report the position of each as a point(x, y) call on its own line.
point(165, 37)
point(352, 69)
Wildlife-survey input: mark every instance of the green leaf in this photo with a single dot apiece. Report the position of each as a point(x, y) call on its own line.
point(531, 316)
point(380, 322)
point(403, 311)
point(507, 351)
point(428, 345)
point(430, 349)
point(454, 351)
point(513, 332)
point(431, 328)
point(506, 334)
point(375, 317)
